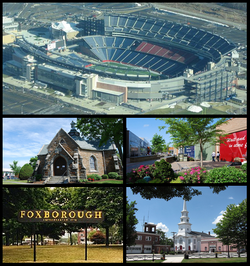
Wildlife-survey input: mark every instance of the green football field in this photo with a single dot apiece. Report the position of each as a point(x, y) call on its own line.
point(117, 68)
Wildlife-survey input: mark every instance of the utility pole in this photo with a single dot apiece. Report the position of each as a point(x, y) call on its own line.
point(173, 237)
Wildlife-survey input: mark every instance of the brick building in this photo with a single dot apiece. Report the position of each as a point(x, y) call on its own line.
point(71, 158)
point(148, 241)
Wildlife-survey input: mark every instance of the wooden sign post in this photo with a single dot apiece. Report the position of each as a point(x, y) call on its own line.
point(60, 216)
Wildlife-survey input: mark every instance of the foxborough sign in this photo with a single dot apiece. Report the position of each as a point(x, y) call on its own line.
point(61, 216)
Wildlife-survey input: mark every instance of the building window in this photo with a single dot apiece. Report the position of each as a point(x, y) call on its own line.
point(148, 238)
point(93, 163)
point(219, 248)
point(205, 248)
point(180, 241)
point(62, 141)
point(189, 241)
point(194, 241)
point(139, 237)
point(156, 239)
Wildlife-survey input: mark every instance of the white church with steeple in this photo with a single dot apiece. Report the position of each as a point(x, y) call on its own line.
point(186, 239)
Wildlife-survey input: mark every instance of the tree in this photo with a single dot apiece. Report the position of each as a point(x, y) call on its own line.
point(131, 222)
point(33, 161)
point(15, 168)
point(232, 228)
point(26, 172)
point(157, 143)
point(191, 131)
point(107, 199)
point(169, 192)
point(98, 237)
point(104, 130)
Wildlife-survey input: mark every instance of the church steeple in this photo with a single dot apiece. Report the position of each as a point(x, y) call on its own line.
point(73, 132)
point(184, 225)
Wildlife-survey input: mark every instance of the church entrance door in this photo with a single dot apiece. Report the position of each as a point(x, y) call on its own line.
point(60, 166)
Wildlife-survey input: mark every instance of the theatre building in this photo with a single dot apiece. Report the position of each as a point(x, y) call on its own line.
point(69, 158)
point(236, 143)
point(148, 241)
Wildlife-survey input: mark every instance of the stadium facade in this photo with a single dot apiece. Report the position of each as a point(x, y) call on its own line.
point(187, 61)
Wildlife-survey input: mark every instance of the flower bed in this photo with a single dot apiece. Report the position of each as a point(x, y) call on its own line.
point(159, 172)
point(194, 175)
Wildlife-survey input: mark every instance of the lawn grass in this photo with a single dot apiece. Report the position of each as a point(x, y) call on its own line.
point(216, 260)
point(63, 254)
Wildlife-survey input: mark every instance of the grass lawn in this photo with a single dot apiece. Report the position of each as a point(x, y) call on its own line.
point(62, 254)
point(105, 181)
point(216, 260)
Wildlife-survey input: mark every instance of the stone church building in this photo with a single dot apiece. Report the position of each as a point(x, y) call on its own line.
point(69, 158)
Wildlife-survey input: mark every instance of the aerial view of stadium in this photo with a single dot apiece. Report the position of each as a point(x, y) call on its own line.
point(124, 58)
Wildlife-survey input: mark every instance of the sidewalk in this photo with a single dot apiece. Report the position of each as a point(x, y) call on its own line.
point(173, 259)
point(206, 164)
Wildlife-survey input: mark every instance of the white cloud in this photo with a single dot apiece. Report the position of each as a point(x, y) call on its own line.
point(146, 125)
point(163, 227)
point(218, 217)
point(230, 198)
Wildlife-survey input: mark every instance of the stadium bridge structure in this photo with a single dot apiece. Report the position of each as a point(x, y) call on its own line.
point(189, 61)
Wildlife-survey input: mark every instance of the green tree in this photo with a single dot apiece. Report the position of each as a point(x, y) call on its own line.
point(169, 192)
point(232, 228)
point(107, 199)
point(15, 168)
point(191, 131)
point(33, 161)
point(104, 130)
point(157, 143)
point(26, 172)
point(131, 222)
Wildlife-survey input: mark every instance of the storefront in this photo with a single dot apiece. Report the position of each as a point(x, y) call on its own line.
point(236, 140)
point(235, 146)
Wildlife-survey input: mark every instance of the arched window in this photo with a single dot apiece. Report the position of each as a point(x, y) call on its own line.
point(93, 163)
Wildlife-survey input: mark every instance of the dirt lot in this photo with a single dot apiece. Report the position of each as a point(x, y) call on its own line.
point(209, 10)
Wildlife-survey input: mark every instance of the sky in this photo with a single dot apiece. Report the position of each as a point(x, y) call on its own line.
point(24, 137)
point(204, 210)
point(147, 127)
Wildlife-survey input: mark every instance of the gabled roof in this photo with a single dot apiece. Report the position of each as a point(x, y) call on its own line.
point(81, 143)
point(199, 233)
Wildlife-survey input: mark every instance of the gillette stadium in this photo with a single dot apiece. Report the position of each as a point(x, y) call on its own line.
point(116, 57)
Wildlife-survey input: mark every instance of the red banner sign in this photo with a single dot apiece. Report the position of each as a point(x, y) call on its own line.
point(235, 146)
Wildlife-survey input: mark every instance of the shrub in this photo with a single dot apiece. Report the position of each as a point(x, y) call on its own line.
point(105, 176)
point(94, 177)
point(226, 175)
point(244, 167)
point(161, 171)
point(194, 175)
point(98, 238)
point(112, 175)
point(26, 172)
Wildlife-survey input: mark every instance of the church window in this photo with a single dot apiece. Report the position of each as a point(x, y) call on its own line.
point(187, 229)
point(194, 241)
point(189, 241)
point(180, 241)
point(62, 141)
point(187, 220)
point(181, 220)
point(93, 163)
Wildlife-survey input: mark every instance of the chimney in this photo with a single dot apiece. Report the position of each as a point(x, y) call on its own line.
point(208, 232)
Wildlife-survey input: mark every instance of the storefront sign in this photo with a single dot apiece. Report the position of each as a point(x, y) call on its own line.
point(235, 146)
point(189, 150)
point(61, 216)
